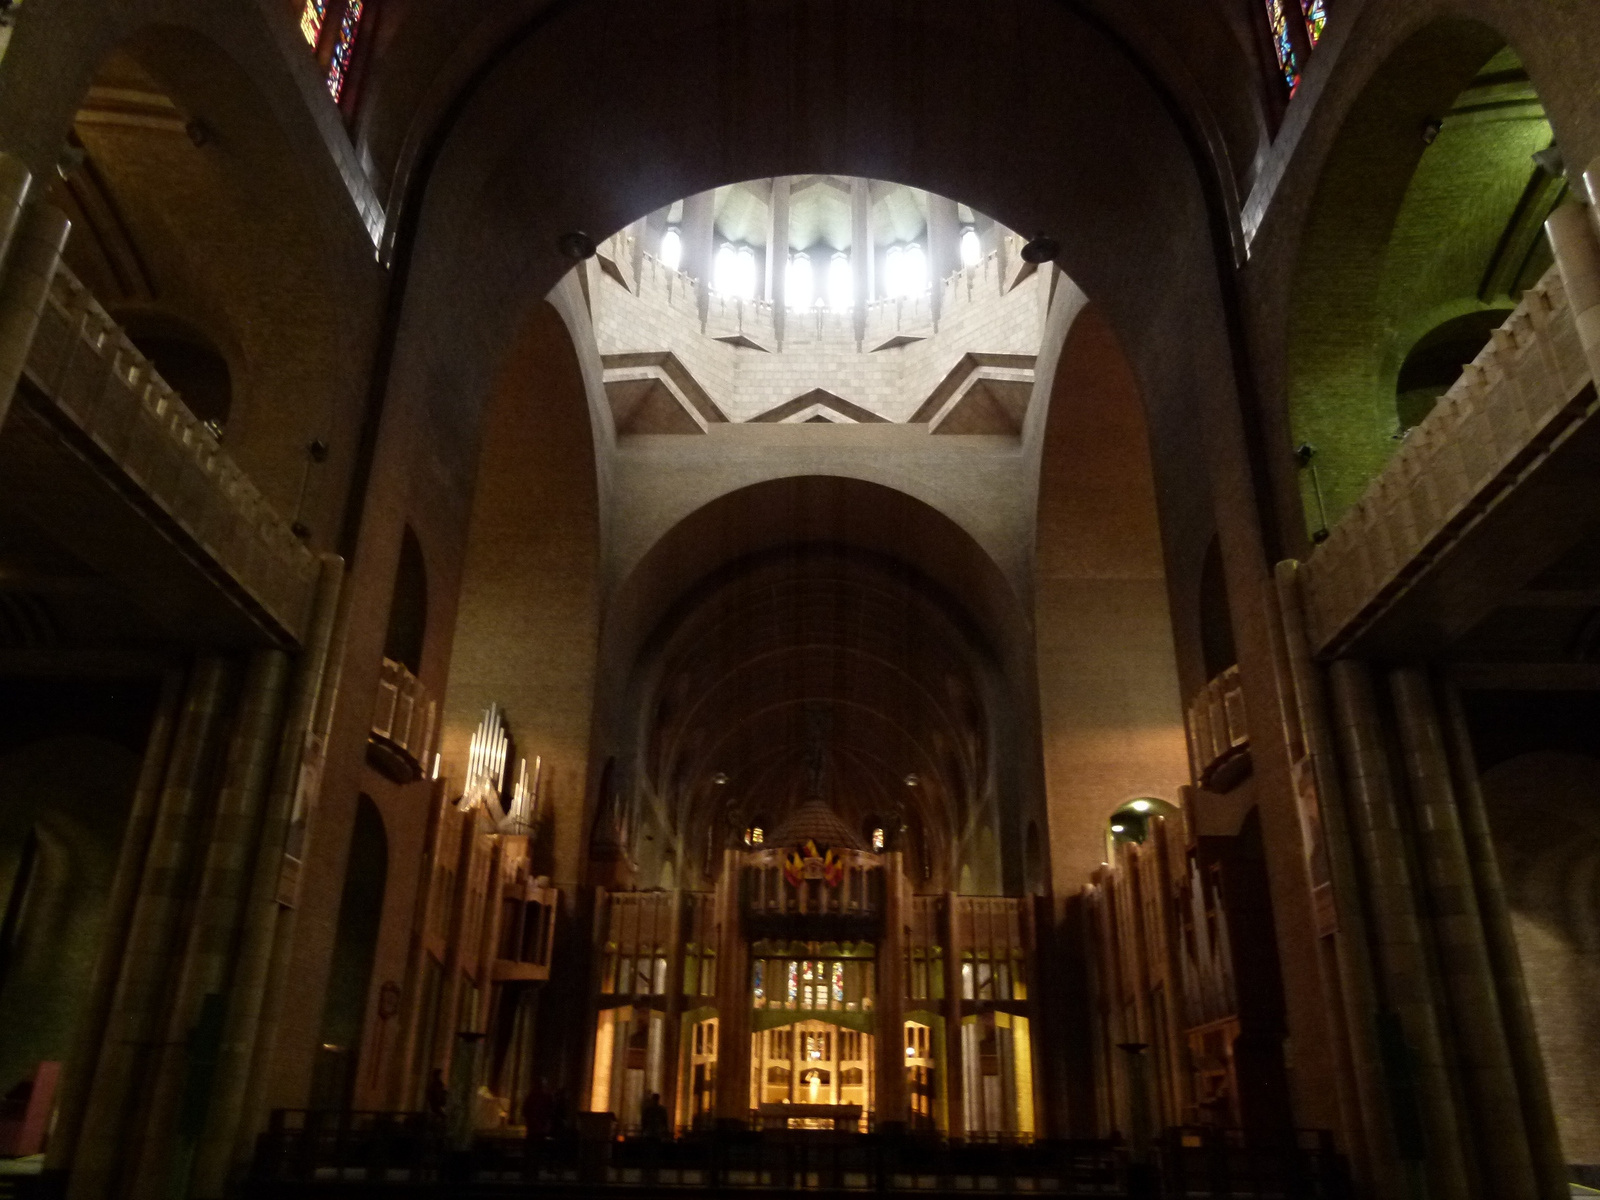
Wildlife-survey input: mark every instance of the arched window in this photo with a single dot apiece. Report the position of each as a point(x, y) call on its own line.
point(1295, 27)
point(724, 268)
point(971, 251)
point(671, 248)
point(734, 271)
point(914, 270)
point(841, 283)
point(745, 276)
point(800, 286)
point(905, 271)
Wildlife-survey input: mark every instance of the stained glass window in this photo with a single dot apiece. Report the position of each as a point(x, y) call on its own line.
point(760, 989)
point(311, 18)
point(1316, 13)
point(1278, 26)
point(344, 48)
point(794, 980)
point(838, 983)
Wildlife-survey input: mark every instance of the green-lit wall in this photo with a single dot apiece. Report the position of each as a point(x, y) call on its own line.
point(1375, 278)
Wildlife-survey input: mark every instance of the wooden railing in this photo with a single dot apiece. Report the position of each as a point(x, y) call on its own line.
point(84, 363)
point(403, 719)
point(1219, 741)
point(1511, 402)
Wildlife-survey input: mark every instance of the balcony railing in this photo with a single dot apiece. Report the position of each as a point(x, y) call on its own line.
point(85, 365)
point(403, 720)
point(1510, 405)
point(1219, 741)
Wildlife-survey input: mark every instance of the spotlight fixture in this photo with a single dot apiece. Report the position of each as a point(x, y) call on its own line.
point(719, 779)
point(912, 780)
point(1140, 806)
point(576, 245)
point(1430, 130)
point(1042, 248)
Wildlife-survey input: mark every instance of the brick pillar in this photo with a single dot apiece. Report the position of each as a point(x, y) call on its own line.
point(778, 253)
point(30, 266)
point(861, 250)
point(955, 1079)
point(890, 1002)
point(944, 246)
point(698, 232)
point(1577, 252)
point(733, 998)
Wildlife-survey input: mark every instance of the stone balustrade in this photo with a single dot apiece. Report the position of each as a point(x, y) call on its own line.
point(83, 363)
point(1509, 406)
point(1219, 740)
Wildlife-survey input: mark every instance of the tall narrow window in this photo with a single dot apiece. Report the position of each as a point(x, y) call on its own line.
point(971, 249)
point(914, 267)
point(800, 286)
point(724, 268)
point(1316, 14)
point(671, 248)
point(1278, 27)
point(344, 49)
point(841, 283)
point(311, 18)
point(745, 275)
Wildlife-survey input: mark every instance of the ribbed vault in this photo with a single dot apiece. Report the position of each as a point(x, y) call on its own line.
point(819, 670)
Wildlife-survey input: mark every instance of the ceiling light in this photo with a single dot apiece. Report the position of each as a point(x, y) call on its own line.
point(1140, 806)
point(1117, 829)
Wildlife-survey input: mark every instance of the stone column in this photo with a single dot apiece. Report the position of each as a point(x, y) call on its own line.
point(1349, 976)
point(778, 254)
point(861, 251)
point(890, 1002)
point(671, 1054)
point(1408, 986)
point(1527, 1060)
point(1577, 252)
point(30, 266)
point(955, 1078)
point(16, 181)
point(1485, 1060)
point(80, 1064)
point(944, 247)
point(213, 930)
point(140, 1003)
point(260, 976)
point(733, 998)
point(698, 232)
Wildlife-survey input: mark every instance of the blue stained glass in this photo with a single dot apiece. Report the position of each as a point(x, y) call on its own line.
point(761, 964)
point(344, 48)
point(838, 983)
point(1316, 14)
point(1278, 26)
point(794, 980)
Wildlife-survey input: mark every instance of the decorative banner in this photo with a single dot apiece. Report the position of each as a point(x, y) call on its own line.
point(806, 861)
